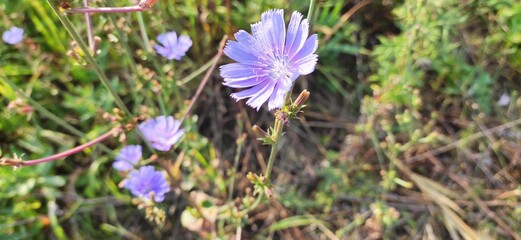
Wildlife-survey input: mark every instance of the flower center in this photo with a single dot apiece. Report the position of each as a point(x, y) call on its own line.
point(280, 68)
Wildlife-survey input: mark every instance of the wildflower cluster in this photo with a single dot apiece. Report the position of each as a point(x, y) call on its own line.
point(268, 61)
point(145, 182)
point(161, 133)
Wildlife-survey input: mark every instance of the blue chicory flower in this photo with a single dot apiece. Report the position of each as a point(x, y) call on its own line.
point(127, 158)
point(269, 61)
point(161, 132)
point(13, 36)
point(146, 180)
point(173, 47)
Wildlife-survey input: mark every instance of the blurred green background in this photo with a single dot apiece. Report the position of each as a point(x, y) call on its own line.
point(400, 139)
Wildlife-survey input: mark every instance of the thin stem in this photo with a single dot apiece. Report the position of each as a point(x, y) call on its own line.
point(68, 26)
point(143, 31)
point(277, 132)
point(253, 206)
point(107, 9)
point(132, 63)
point(88, 21)
point(240, 143)
point(205, 78)
point(90, 59)
point(42, 110)
point(311, 13)
point(196, 72)
point(141, 6)
point(19, 163)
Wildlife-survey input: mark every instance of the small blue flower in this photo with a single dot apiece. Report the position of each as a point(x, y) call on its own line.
point(173, 47)
point(269, 60)
point(13, 36)
point(127, 158)
point(146, 180)
point(161, 132)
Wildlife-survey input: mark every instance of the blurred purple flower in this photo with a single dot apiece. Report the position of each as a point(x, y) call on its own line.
point(269, 61)
point(173, 47)
point(127, 158)
point(146, 180)
point(161, 132)
point(13, 36)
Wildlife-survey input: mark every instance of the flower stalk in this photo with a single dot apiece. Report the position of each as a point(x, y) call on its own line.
point(18, 162)
point(275, 137)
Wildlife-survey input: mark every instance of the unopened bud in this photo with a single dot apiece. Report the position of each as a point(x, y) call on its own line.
point(259, 132)
point(20, 107)
point(97, 42)
point(268, 191)
point(302, 98)
point(129, 126)
point(250, 176)
point(146, 4)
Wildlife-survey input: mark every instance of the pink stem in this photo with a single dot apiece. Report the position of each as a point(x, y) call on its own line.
point(89, 27)
point(205, 78)
point(72, 150)
point(108, 9)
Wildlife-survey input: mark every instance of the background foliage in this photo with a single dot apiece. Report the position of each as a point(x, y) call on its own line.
point(396, 141)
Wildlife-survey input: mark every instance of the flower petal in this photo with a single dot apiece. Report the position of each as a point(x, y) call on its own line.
point(307, 64)
point(249, 43)
point(276, 30)
point(161, 133)
point(257, 99)
point(172, 46)
point(249, 92)
point(240, 53)
point(309, 47)
point(293, 29)
point(245, 83)
point(184, 43)
point(276, 99)
point(240, 71)
point(261, 34)
point(300, 38)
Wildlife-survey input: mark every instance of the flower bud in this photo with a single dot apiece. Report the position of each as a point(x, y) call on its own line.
point(250, 176)
point(269, 192)
point(259, 132)
point(301, 99)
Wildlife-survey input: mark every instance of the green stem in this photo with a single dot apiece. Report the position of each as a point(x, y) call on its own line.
point(311, 12)
point(253, 206)
point(277, 132)
point(103, 78)
point(197, 72)
point(132, 63)
point(273, 153)
point(143, 30)
point(68, 26)
point(165, 87)
point(240, 142)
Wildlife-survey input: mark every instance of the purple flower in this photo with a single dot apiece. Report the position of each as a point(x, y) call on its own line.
point(161, 132)
point(127, 158)
point(269, 61)
point(13, 36)
point(146, 180)
point(173, 47)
